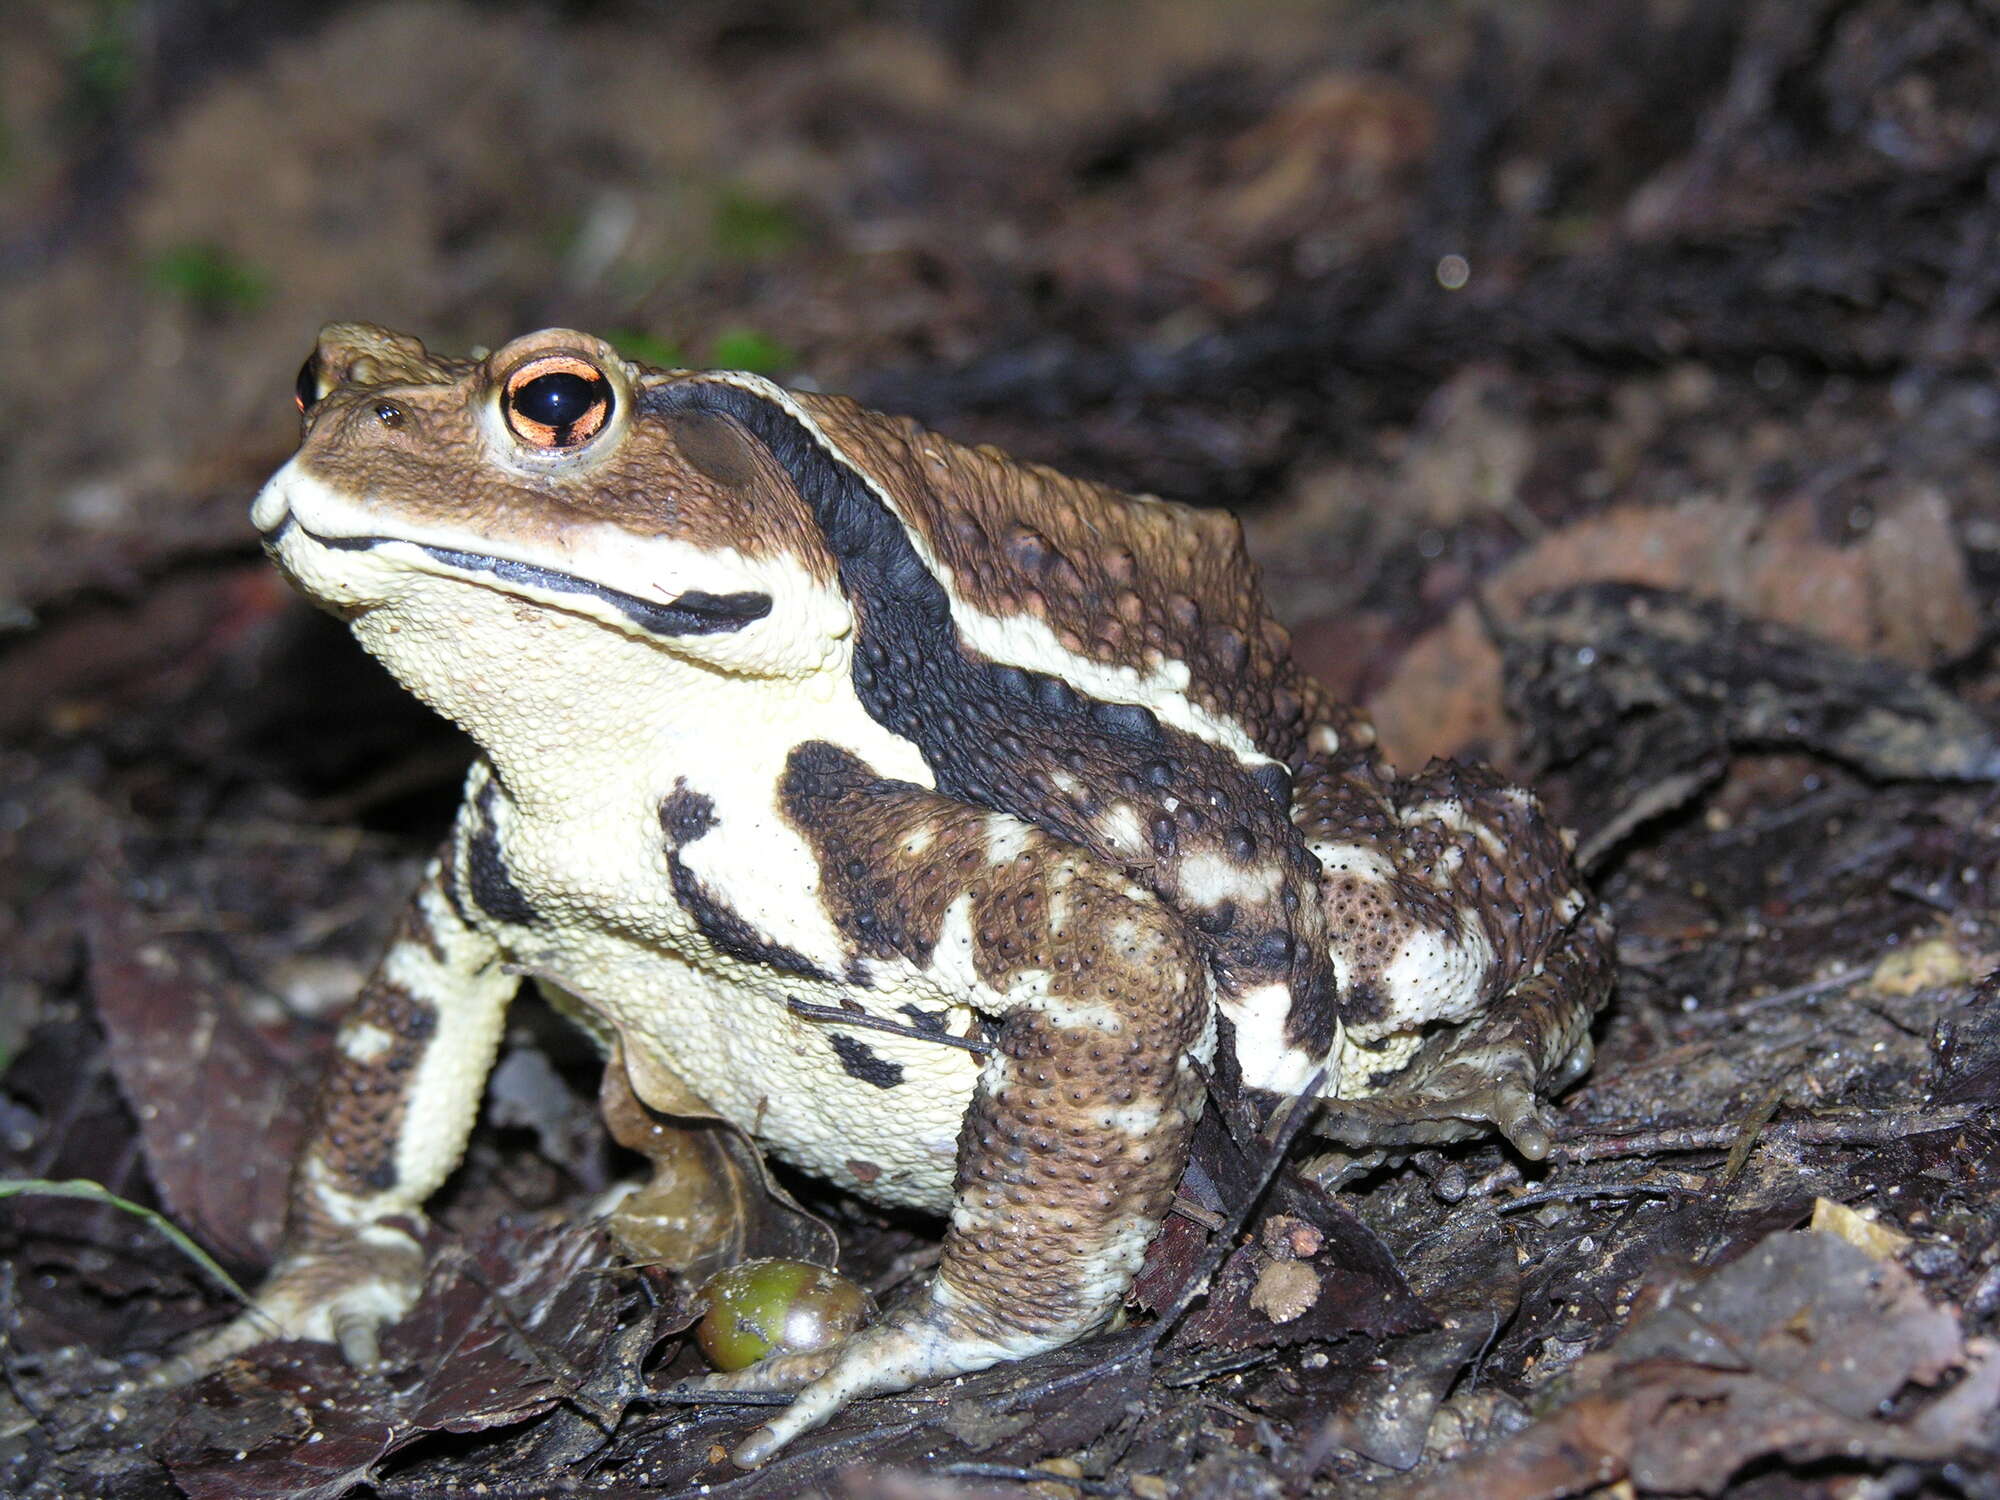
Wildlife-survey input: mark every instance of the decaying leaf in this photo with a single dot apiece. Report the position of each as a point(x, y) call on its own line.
point(711, 1201)
point(1902, 593)
point(292, 1428)
point(1472, 1284)
point(219, 1117)
point(1647, 691)
point(509, 1324)
point(1793, 1351)
point(1968, 1049)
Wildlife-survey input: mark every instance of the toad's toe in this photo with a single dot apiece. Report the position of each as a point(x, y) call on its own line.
point(785, 1372)
point(920, 1342)
point(344, 1294)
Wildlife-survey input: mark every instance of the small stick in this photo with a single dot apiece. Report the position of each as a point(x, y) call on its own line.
point(1584, 1194)
point(978, 1046)
point(1817, 1130)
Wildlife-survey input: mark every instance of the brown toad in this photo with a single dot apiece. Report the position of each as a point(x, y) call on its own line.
point(783, 700)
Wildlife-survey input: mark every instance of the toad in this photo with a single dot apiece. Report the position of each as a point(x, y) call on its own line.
point(782, 700)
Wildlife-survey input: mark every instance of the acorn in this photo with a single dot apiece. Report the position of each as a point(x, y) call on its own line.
point(760, 1308)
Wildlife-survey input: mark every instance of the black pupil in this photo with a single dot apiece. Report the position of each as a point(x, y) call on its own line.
point(557, 400)
point(308, 382)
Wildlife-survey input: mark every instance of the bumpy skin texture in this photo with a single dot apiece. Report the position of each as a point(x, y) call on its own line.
point(783, 700)
point(1075, 1136)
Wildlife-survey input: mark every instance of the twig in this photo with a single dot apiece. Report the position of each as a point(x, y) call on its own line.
point(862, 1020)
point(1188, 1209)
point(1582, 1194)
point(1812, 989)
point(1277, 1135)
point(1816, 1130)
point(1027, 1476)
point(1747, 1132)
point(694, 1395)
point(1214, 1363)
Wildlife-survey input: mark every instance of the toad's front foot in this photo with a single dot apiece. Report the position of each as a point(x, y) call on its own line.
point(1495, 1072)
point(1460, 1101)
point(344, 1292)
point(922, 1341)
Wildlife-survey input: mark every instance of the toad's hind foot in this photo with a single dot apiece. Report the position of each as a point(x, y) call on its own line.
point(1456, 1103)
point(921, 1342)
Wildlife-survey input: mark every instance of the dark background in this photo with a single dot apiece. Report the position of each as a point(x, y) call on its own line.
point(1455, 303)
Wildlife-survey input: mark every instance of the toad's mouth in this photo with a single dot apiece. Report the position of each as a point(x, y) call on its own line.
point(695, 612)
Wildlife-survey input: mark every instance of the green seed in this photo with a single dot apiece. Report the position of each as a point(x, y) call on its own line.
point(764, 1307)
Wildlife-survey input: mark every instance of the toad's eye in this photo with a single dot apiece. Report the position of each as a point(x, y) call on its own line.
point(306, 389)
point(557, 401)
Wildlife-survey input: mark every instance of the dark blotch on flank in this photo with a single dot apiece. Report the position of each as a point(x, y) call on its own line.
point(382, 1176)
point(858, 1060)
point(1363, 1001)
point(1275, 949)
point(685, 814)
point(931, 1021)
point(493, 888)
point(992, 735)
point(729, 932)
point(1216, 920)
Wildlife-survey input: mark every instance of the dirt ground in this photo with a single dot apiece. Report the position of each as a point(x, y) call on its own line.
point(1608, 391)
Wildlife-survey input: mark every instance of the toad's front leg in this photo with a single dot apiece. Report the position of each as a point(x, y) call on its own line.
point(389, 1123)
point(1080, 1123)
point(1473, 960)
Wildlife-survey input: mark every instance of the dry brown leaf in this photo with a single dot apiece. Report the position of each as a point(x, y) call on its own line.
point(1792, 1352)
point(220, 1118)
point(710, 1202)
point(1903, 592)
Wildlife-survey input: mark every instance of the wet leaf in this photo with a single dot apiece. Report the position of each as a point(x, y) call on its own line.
point(1792, 1351)
point(711, 1201)
point(219, 1117)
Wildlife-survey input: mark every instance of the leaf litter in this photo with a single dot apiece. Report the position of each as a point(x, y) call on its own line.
point(1722, 346)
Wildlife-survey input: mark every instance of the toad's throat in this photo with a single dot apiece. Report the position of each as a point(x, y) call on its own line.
point(695, 612)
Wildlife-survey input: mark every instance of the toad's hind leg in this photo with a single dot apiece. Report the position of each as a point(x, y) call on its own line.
point(1079, 1125)
point(1470, 959)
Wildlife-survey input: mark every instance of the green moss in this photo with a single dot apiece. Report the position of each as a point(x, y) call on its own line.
point(751, 228)
point(747, 349)
point(647, 348)
point(102, 63)
point(208, 279)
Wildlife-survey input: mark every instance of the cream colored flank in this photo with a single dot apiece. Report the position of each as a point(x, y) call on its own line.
point(579, 826)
